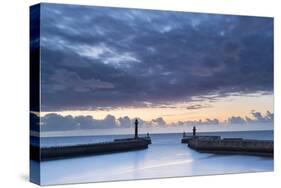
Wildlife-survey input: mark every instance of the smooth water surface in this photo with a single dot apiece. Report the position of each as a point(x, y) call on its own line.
point(165, 157)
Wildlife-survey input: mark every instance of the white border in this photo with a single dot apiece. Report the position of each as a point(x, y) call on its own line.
point(15, 87)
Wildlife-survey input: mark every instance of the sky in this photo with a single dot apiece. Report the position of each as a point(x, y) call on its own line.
point(102, 67)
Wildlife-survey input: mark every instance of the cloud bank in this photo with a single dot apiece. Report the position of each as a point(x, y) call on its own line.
point(56, 122)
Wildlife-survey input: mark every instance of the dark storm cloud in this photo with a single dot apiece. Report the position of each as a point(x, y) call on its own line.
point(107, 57)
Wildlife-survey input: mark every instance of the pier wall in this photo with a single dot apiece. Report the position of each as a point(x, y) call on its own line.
point(187, 139)
point(234, 146)
point(50, 153)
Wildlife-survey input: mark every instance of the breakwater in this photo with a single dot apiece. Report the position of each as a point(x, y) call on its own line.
point(187, 139)
point(232, 146)
point(146, 139)
point(61, 152)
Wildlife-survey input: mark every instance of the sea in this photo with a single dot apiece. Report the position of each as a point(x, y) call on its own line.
point(165, 157)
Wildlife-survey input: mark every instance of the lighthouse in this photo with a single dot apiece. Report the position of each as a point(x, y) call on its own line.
point(194, 131)
point(136, 128)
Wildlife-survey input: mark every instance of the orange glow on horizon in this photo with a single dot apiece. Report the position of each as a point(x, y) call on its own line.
point(221, 110)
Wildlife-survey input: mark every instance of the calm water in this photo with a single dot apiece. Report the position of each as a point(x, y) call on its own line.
point(165, 157)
